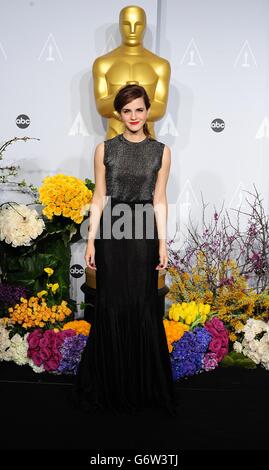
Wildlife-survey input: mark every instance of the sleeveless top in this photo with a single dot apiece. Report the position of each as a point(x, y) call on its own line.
point(131, 167)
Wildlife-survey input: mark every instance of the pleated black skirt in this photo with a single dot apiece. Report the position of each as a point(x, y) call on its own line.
point(125, 366)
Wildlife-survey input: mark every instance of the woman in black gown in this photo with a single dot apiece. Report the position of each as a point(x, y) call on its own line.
point(126, 364)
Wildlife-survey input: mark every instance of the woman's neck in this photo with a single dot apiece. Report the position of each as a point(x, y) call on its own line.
point(134, 136)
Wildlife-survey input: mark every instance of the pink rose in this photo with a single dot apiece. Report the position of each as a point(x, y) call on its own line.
point(211, 329)
point(217, 324)
point(37, 332)
point(225, 341)
point(34, 338)
point(54, 351)
point(49, 333)
point(221, 353)
point(44, 342)
point(215, 345)
point(33, 342)
point(49, 336)
point(51, 365)
point(57, 357)
point(45, 354)
point(35, 356)
point(54, 342)
point(68, 333)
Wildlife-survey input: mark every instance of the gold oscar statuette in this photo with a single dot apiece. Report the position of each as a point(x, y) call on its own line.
point(130, 63)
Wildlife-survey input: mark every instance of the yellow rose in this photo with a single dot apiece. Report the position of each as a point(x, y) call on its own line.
point(41, 293)
point(54, 287)
point(49, 271)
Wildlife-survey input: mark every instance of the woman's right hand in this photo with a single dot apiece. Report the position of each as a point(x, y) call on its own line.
point(90, 256)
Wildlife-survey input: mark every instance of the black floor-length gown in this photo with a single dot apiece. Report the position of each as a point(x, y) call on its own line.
point(126, 364)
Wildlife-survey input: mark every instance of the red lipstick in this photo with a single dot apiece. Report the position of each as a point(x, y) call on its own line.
point(134, 123)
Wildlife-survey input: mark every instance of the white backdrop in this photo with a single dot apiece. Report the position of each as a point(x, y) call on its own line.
point(219, 81)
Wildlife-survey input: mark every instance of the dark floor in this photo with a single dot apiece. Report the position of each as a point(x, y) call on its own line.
point(220, 410)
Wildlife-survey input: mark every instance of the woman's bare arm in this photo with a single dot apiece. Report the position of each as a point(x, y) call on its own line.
point(160, 198)
point(98, 201)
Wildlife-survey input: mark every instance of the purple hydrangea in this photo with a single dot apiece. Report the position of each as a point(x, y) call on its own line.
point(210, 361)
point(188, 353)
point(10, 295)
point(71, 351)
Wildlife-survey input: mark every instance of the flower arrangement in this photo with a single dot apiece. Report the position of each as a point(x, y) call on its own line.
point(10, 295)
point(37, 331)
point(71, 352)
point(219, 345)
point(45, 310)
point(52, 350)
point(44, 347)
point(188, 353)
point(225, 266)
point(81, 327)
point(12, 349)
point(7, 173)
point(65, 195)
point(190, 313)
point(195, 347)
point(219, 288)
point(28, 241)
point(34, 312)
point(19, 225)
point(254, 342)
point(174, 330)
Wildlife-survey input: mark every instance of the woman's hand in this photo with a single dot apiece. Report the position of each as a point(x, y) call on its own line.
point(90, 255)
point(163, 256)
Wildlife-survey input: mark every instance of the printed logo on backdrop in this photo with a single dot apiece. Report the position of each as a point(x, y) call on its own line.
point(78, 127)
point(217, 125)
point(3, 52)
point(50, 51)
point(168, 127)
point(192, 56)
point(186, 201)
point(245, 57)
point(76, 270)
point(23, 121)
point(263, 130)
point(238, 200)
point(109, 45)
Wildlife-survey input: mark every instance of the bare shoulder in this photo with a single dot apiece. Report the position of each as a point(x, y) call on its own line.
point(99, 147)
point(99, 152)
point(167, 150)
point(166, 155)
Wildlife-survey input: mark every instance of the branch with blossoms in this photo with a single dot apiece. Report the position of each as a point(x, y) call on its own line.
point(220, 241)
point(12, 170)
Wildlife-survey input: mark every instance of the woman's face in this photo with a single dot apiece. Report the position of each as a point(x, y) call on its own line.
point(134, 114)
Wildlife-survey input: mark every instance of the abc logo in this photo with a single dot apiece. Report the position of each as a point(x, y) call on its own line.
point(23, 121)
point(217, 125)
point(76, 270)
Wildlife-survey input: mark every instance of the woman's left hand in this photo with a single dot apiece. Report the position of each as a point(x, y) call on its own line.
point(163, 257)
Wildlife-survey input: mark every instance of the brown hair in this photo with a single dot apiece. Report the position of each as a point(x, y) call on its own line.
point(129, 93)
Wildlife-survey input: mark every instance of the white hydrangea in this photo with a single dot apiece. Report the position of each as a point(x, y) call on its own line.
point(4, 341)
point(37, 369)
point(15, 349)
point(19, 224)
point(238, 346)
point(256, 349)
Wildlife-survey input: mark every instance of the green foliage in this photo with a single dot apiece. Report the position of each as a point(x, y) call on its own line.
point(27, 268)
point(235, 359)
point(90, 185)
